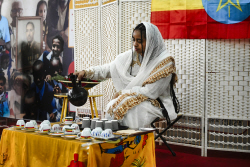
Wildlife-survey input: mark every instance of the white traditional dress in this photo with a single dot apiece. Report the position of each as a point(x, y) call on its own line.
point(140, 85)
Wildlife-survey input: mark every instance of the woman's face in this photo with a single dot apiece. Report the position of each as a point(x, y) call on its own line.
point(43, 11)
point(138, 42)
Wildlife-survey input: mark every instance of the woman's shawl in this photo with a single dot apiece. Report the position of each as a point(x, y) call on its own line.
point(156, 64)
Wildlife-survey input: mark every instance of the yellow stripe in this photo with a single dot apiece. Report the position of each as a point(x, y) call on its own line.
point(166, 5)
point(109, 1)
point(85, 3)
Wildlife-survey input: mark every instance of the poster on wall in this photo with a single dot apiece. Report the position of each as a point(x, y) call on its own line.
point(29, 41)
point(37, 32)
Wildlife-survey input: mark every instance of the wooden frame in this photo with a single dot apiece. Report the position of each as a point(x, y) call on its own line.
point(29, 42)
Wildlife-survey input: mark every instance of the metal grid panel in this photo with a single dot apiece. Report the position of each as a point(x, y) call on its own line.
point(187, 131)
point(131, 14)
point(109, 44)
point(87, 48)
point(227, 99)
point(228, 76)
point(227, 134)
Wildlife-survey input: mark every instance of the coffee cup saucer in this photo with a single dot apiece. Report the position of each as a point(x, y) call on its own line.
point(67, 123)
point(18, 128)
point(42, 133)
point(81, 139)
point(56, 134)
point(30, 130)
point(60, 131)
point(69, 136)
point(113, 137)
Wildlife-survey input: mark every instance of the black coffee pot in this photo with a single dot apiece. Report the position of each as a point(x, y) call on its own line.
point(77, 96)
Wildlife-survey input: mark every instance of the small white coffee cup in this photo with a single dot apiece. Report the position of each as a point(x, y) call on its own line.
point(85, 134)
point(68, 120)
point(107, 133)
point(56, 128)
point(96, 132)
point(20, 124)
point(65, 126)
point(87, 129)
point(44, 128)
point(69, 131)
point(76, 127)
point(46, 122)
point(29, 126)
point(35, 124)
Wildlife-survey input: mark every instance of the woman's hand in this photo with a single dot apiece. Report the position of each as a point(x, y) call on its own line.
point(80, 74)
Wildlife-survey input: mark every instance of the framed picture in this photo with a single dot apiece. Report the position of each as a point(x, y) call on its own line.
point(29, 41)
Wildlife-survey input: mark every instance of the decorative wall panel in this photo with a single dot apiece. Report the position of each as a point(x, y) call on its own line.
point(109, 44)
point(87, 47)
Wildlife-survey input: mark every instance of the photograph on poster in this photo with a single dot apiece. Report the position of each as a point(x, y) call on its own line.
point(29, 41)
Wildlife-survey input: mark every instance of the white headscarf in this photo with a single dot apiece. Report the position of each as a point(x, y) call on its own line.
point(155, 52)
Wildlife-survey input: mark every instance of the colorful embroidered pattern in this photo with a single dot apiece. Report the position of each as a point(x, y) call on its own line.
point(110, 111)
point(128, 104)
point(155, 103)
point(162, 74)
point(163, 63)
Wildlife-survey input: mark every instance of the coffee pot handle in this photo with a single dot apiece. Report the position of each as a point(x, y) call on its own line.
point(79, 82)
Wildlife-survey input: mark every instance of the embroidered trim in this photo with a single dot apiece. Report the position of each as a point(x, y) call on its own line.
point(155, 103)
point(89, 73)
point(162, 74)
point(164, 62)
point(128, 104)
point(110, 110)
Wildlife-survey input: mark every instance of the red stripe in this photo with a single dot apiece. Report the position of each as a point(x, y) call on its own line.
point(196, 24)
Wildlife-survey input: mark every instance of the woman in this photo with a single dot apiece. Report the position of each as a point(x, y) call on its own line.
point(144, 77)
point(41, 11)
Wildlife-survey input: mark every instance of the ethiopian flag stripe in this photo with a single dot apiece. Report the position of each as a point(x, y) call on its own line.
point(201, 19)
